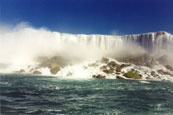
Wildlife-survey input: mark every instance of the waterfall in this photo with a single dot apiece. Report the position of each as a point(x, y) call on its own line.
point(149, 41)
point(23, 45)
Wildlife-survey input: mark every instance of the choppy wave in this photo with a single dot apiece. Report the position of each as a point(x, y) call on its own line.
point(49, 95)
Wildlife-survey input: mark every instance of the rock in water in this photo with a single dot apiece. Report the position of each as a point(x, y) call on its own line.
point(53, 62)
point(112, 64)
point(99, 76)
point(55, 70)
point(119, 77)
point(103, 67)
point(169, 67)
point(132, 75)
point(143, 60)
point(108, 71)
point(37, 72)
point(162, 72)
point(153, 73)
point(22, 71)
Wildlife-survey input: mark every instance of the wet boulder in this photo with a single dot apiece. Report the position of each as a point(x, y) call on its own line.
point(134, 71)
point(99, 76)
point(22, 71)
point(118, 69)
point(160, 71)
point(132, 75)
point(53, 62)
point(124, 65)
point(153, 73)
point(55, 70)
point(148, 78)
point(169, 67)
point(53, 65)
point(37, 72)
point(104, 67)
point(142, 60)
point(119, 77)
point(113, 64)
point(108, 71)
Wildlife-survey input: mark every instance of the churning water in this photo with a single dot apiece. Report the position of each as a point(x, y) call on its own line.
point(29, 94)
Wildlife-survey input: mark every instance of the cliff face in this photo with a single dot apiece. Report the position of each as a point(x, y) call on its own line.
point(149, 41)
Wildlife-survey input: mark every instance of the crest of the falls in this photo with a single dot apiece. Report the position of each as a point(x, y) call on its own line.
point(149, 41)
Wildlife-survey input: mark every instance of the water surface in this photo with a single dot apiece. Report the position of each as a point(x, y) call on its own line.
point(29, 94)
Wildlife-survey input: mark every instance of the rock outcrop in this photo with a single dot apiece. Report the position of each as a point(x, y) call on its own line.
point(37, 72)
point(55, 70)
point(143, 60)
point(169, 67)
point(22, 71)
point(99, 76)
point(132, 75)
point(54, 64)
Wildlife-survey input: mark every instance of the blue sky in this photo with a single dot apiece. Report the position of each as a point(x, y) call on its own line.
point(91, 16)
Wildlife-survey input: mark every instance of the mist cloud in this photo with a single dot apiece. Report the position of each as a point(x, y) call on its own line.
point(23, 43)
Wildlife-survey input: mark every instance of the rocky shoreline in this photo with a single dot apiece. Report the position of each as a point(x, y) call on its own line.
point(143, 67)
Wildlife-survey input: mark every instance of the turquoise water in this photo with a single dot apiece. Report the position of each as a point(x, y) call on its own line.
point(44, 95)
